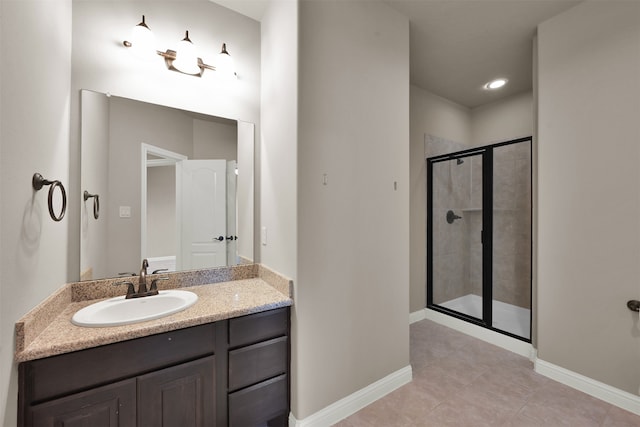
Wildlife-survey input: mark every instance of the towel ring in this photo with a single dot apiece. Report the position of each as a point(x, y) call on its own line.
point(96, 203)
point(38, 182)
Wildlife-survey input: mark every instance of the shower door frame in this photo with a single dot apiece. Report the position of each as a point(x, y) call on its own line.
point(486, 152)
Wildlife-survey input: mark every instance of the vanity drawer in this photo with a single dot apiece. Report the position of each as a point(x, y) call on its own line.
point(257, 362)
point(259, 403)
point(258, 327)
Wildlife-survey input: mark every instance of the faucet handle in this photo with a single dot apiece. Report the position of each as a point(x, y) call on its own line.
point(159, 270)
point(130, 287)
point(154, 283)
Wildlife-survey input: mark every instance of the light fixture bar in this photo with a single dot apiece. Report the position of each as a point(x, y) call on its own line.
point(171, 55)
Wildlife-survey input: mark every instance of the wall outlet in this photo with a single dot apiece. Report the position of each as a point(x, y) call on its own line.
point(263, 236)
point(125, 211)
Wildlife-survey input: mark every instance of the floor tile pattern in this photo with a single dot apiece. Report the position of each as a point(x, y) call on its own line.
point(461, 381)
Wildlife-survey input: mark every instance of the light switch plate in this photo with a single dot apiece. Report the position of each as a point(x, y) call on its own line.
point(125, 211)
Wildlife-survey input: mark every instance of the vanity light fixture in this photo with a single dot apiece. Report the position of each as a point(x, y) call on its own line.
point(495, 84)
point(184, 59)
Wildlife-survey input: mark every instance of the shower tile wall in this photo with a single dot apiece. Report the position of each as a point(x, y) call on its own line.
point(512, 224)
point(450, 244)
point(451, 191)
point(473, 217)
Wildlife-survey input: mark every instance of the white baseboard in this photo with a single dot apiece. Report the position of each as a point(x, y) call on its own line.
point(356, 401)
point(416, 316)
point(504, 341)
point(612, 395)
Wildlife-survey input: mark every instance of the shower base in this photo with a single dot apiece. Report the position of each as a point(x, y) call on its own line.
point(506, 317)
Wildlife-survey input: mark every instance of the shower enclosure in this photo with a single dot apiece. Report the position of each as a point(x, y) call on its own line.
point(479, 236)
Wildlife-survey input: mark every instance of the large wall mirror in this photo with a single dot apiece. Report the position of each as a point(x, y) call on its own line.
point(172, 186)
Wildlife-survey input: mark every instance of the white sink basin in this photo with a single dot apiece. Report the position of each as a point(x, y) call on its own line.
point(120, 311)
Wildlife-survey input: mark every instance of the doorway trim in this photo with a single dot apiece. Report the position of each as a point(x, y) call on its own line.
point(167, 158)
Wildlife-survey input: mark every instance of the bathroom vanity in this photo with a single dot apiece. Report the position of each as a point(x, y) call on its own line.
point(206, 366)
point(233, 372)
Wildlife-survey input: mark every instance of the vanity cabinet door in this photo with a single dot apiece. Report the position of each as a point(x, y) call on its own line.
point(113, 405)
point(182, 395)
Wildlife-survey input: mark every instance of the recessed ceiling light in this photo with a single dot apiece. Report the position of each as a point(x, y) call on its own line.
point(495, 84)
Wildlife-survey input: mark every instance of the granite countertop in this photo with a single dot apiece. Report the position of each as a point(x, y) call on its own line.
point(47, 330)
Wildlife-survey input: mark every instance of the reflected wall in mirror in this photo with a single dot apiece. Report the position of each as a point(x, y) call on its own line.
point(175, 187)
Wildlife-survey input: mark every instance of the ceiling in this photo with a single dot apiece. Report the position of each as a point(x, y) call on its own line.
point(457, 46)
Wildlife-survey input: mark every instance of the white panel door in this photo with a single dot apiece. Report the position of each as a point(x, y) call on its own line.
point(202, 214)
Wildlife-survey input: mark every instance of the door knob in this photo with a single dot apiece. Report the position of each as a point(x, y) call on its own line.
point(219, 238)
point(634, 305)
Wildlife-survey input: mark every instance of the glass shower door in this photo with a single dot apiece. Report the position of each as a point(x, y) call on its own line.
point(455, 267)
point(479, 236)
point(511, 281)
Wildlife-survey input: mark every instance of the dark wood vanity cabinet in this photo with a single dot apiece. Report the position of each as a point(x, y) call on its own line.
point(233, 372)
point(259, 369)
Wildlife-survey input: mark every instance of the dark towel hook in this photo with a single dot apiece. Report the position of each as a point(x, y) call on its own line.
point(38, 182)
point(96, 203)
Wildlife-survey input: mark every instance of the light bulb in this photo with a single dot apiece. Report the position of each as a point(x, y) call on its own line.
point(186, 57)
point(224, 64)
point(142, 41)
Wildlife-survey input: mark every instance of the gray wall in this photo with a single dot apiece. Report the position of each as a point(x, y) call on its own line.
point(506, 119)
point(95, 172)
point(589, 205)
point(161, 211)
point(353, 234)
point(278, 163)
point(351, 290)
point(34, 126)
point(225, 136)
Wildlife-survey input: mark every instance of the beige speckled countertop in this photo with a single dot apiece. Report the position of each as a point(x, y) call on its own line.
point(47, 329)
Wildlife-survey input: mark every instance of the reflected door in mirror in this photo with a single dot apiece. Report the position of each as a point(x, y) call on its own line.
point(202, 220)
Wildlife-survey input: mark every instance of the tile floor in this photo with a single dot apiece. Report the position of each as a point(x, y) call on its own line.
point(461, 381)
